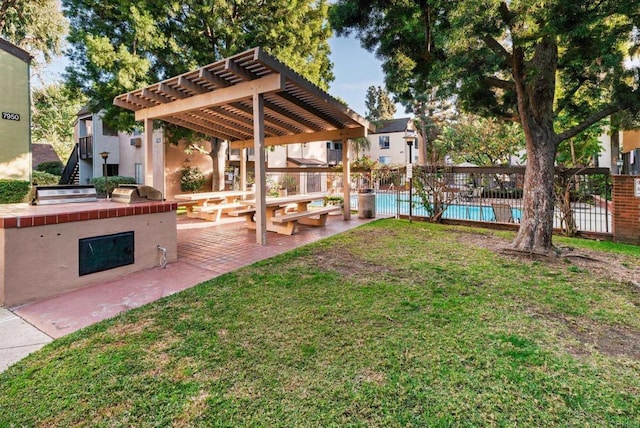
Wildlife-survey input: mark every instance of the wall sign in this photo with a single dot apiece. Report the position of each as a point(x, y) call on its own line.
point(10, 116)
point(637, 187)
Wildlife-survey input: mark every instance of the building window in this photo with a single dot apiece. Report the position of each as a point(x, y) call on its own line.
point(383, 140)
point(139, 173)
point(384, 160)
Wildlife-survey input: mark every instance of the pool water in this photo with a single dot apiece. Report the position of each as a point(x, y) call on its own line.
point(393, 203)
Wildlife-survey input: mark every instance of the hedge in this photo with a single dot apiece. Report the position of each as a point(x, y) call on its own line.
point(40, 178)
point(114, 182)
point(13, 191)
point(52, 167)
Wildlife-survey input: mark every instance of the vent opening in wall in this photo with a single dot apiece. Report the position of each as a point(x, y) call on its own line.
point(105, 252)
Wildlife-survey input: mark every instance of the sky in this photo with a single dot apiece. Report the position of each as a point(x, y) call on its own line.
point(355, 69)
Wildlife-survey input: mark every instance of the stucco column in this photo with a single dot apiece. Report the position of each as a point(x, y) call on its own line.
point(148, 152)
point(158, 162)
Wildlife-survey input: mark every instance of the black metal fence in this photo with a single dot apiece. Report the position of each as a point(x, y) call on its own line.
point(472, 194)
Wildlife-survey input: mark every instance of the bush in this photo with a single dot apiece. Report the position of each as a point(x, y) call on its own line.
point(13, 191)
point(191, 179)
point(114, 182)
point(53, 167)
point(40, 178)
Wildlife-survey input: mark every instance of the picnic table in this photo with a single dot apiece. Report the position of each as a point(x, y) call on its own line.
point(211, 205)
point(284, 213)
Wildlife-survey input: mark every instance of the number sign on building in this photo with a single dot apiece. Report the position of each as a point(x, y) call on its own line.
point(10, 116)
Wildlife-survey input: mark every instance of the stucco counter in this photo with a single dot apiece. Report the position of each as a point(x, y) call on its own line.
point(41, 247)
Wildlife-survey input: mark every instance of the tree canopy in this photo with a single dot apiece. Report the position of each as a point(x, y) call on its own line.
point(526, 61)
point(379, 104)
point(121, 45)
point(481, 141)
point(36, 26)
point(55, 108)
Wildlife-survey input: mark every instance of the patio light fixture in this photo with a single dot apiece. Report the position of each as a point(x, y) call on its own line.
point(105, 156)
point(410, 137)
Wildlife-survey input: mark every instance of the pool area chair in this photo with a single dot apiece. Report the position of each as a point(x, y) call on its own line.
point(503, 213)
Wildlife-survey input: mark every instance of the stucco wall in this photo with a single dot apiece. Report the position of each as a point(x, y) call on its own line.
point(54, 250)
point(15, 158)
point(176, 159)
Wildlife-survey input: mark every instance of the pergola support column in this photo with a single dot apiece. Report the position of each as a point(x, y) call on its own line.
point(346, 179)
point(260, 170)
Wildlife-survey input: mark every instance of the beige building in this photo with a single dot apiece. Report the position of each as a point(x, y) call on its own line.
point(15, 113)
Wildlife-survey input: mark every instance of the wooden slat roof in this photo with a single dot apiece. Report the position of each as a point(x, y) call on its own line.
point(217, 100)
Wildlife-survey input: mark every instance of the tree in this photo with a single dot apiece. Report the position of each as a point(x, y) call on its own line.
point(36, 26)
point(121, 45)
point(484, 142)
point(524, 61)
point(54, 111)
point(379, 105)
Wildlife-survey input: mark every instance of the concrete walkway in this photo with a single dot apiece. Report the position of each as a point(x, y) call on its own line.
point(205, 250)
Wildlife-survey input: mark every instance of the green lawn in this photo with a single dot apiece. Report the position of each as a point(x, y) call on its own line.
point(391, 324)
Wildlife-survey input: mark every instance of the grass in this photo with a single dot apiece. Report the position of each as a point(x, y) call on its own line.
point(391, 324)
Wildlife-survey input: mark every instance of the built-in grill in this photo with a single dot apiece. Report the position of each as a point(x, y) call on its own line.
point(48, 195)
point(135, 193)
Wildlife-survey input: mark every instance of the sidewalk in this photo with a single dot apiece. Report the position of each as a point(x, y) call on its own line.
point(205, 250)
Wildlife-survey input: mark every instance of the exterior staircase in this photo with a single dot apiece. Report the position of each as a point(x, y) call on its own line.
point(71, 171)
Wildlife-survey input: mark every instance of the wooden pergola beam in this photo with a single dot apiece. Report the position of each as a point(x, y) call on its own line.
point(336, 134)
point(241, 91)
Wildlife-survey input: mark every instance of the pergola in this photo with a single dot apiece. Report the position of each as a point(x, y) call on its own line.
point(250, 100)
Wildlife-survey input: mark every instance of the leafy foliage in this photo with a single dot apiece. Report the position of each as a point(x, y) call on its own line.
point(53, 167)
point(43, 178)
point(484, 142)
point(100, 183)
point(121, 45)
point(379, 104)
point(191, 179)
point(36, 26)
point(13, 191)
point(55, 107)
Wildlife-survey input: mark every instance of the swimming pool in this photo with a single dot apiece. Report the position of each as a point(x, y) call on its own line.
point(398, 204)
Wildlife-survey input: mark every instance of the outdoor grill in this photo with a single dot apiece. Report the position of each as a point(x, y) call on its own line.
point(135, 193)
point(48, 195)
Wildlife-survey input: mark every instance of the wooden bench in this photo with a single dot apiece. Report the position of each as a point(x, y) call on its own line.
point(312, 217)
point(214, 211)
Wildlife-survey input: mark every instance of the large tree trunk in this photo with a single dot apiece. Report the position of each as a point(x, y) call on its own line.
point(535, 87)
point(536, 226)
point(218, 164)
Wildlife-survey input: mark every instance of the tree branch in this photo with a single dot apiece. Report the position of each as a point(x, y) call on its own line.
point(499, 83)
point(497, 48)
point(564, 101)
point(572, 132)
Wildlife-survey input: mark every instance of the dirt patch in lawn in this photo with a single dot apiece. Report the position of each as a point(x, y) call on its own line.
point(609, 266)
point(590, 336)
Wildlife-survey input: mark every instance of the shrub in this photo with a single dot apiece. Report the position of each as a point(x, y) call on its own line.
point(53, 167)
point(114, 182)
point(13, 191)
point(41, 178)
point(191, 179)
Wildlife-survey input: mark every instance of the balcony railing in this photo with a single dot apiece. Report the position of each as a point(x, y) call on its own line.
point(86, 147)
